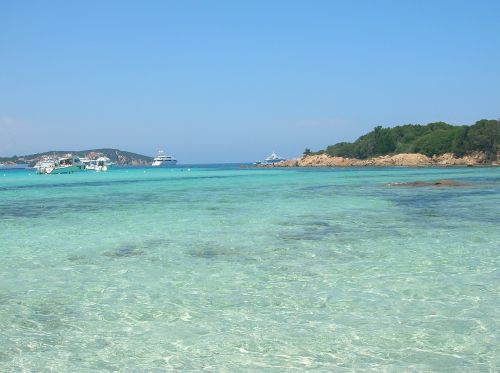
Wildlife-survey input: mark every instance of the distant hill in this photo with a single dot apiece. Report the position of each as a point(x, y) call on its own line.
point(431, 139)
point(117, 156)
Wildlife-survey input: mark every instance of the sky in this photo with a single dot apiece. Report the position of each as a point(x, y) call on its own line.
point(231, 81)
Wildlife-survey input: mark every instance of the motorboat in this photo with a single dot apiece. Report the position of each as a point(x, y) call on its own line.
point(100, 164)
point(44, 163)
point(164, 160)
point(63, 165)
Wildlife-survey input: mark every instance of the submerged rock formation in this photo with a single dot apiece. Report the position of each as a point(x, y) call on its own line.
point(436, 183)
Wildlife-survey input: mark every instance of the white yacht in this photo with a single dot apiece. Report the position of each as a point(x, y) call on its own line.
point(272, 159)
point(163, 160)
point(64, 165)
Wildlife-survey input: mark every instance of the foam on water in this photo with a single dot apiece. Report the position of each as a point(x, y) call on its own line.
point(230, 269)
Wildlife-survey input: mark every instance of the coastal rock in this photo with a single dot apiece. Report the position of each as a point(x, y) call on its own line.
point(406, 159)
point(450, 159)
point(403, 159)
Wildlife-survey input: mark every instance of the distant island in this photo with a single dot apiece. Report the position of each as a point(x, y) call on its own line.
point(436, 143)
point(117, 156)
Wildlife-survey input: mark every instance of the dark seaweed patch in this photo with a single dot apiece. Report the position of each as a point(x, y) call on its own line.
point(124, 252)
point(155, 242)
point(448, 203)
point(308, 232)
point(208, 253)
point(20, 213)
point(314, 188)
point(76, 258)
point(306, 228)
point(135, 249)
point(426, 199)
point(213, 252)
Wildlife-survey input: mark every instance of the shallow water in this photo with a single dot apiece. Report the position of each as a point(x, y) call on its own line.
point(224, 268)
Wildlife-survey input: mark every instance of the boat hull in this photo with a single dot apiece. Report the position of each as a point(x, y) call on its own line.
point(97, 168)
point(66, 170)
point(169, 163)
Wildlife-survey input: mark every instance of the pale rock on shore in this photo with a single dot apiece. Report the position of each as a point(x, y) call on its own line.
point(405, 159)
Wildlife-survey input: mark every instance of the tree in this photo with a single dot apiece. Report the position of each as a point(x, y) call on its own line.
point(431, 139)
point(483, 136)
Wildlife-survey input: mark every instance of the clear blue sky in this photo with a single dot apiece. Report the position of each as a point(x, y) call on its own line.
point(212, 81)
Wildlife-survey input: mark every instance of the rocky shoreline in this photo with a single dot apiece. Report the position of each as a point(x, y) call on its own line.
point(404, 160)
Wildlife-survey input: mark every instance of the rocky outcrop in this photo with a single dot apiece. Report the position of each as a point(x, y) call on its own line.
point(449, 159)
point(405, 159)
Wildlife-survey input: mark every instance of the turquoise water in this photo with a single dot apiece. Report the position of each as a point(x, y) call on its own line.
point(235, 269)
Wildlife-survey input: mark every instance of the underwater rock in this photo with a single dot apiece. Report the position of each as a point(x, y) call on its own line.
point(124, 252)
point(435, 183)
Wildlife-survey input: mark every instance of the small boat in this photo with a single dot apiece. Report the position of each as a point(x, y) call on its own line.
point(163, 160)
point(85, 161)
point(64, 165)
point(100, 164)
point(44, 163)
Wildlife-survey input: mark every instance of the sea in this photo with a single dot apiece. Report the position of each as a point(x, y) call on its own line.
point(224, 268)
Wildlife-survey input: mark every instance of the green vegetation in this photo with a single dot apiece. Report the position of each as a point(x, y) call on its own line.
point(431, 139)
